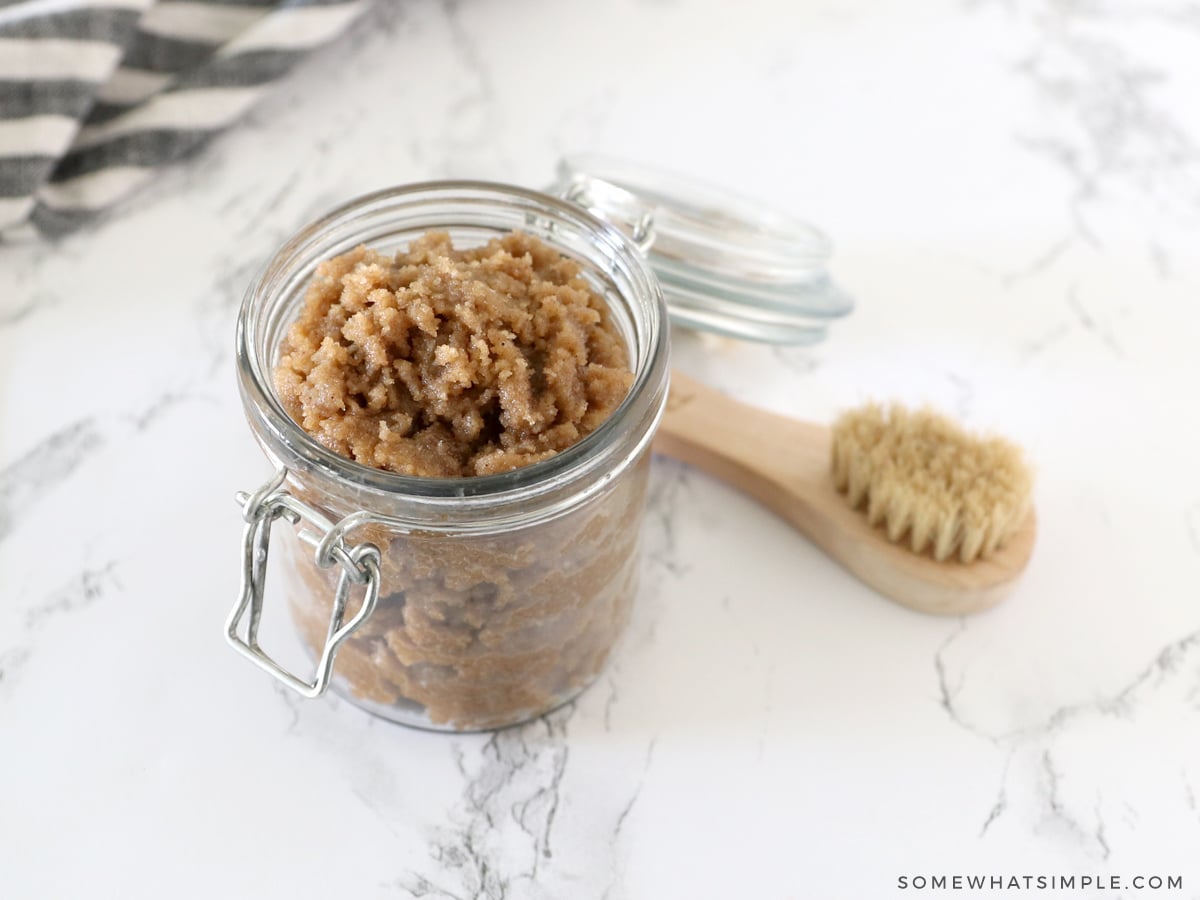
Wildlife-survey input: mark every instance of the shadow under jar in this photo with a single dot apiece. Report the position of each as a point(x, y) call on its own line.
point(451, 603)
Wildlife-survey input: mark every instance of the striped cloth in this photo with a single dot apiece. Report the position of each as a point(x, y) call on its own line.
point(96, 96)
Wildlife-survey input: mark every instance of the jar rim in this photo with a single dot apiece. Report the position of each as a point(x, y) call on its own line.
point(649, 367)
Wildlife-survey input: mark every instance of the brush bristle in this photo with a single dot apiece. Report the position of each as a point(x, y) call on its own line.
point(925, 479)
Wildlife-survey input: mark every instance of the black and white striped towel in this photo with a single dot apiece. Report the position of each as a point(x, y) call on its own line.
point(95, 96)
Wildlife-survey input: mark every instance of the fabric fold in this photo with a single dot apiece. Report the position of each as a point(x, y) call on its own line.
point(96, 97)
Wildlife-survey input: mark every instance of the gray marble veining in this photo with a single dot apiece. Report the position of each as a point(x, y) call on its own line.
point(1014, 190)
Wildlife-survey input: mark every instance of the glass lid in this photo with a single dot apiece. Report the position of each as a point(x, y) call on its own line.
point(726, 264)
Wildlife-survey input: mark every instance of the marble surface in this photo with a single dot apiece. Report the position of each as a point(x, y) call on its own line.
point(1014, 188)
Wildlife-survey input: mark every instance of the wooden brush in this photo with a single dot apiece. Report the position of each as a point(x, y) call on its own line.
point(960, 504)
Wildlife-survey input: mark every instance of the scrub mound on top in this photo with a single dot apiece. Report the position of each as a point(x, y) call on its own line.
point(440, 362)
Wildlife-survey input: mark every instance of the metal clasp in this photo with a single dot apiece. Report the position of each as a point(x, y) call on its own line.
point(616, 206)
point(360, 565)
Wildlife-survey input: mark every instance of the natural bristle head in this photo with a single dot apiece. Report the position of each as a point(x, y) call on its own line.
point(922, 477)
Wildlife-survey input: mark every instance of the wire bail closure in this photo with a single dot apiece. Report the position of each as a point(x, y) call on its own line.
point(639, 221)
point(359, 566)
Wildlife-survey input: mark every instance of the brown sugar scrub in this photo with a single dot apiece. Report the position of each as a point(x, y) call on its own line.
point(476, 632)
point(444, 362)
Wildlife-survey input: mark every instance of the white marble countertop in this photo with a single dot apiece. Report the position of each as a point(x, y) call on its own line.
point(1014, 188)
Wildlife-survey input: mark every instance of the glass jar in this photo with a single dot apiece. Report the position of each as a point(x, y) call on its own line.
point(451, 603)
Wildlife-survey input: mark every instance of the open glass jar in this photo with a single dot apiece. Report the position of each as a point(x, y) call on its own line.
point(474, 603)
point(451, 603)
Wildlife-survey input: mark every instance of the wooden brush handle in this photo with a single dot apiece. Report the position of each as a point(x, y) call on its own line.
point(784, 464)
